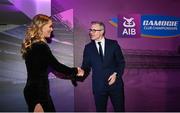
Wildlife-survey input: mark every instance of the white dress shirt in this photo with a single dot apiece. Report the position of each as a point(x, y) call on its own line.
point(102, 44)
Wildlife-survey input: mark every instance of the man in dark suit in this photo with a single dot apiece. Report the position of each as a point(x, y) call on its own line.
point(105, 58)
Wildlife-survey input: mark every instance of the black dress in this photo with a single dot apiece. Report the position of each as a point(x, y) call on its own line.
point(37, 60)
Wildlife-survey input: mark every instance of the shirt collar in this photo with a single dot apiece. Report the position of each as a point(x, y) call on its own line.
point(102, 41)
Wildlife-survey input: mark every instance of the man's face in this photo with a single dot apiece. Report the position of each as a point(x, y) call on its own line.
point(96, 32)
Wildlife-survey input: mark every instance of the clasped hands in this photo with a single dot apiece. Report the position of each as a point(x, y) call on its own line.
point(80, 72)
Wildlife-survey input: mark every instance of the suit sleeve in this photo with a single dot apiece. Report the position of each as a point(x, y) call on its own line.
point(119, 59)
point(86, 65)
point(55, 64)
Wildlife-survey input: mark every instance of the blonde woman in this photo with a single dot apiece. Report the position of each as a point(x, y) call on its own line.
point(38, 57)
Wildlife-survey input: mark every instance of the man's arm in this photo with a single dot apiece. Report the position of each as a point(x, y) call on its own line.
point(86, 65)
point(119, 59)
point(119, 70)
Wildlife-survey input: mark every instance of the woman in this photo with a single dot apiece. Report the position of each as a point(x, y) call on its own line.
point(38, 57)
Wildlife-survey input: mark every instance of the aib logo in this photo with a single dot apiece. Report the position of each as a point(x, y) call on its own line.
point(129, 26)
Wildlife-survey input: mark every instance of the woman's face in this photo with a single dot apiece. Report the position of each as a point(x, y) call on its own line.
point(47, 29)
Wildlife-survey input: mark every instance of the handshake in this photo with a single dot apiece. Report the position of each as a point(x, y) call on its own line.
point(80, 72)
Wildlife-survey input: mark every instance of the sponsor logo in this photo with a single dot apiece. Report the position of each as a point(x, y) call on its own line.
point(153, 26)
point(128, 26)
point(156, 26)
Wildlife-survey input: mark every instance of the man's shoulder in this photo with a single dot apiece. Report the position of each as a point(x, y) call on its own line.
point(89, 44)
point(110, 40)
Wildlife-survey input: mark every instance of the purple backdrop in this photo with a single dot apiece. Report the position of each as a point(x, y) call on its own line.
point(151, 76)
point(152, 65)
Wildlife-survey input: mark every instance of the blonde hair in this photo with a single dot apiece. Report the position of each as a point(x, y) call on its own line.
point(34, 32)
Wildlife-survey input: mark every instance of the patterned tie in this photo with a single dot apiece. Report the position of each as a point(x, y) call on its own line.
point(100, 51)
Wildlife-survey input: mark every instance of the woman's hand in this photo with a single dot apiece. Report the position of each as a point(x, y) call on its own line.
point(80, 72)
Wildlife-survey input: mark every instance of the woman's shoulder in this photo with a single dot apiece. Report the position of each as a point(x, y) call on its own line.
point(40, 45)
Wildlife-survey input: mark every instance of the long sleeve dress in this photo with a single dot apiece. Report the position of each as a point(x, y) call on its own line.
point(36, 90)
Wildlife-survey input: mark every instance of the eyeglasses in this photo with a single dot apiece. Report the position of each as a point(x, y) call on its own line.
point(94, 30)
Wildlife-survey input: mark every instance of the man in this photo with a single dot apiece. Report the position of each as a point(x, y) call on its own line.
point(106, 60)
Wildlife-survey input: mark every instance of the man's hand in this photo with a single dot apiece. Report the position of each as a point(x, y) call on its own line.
point(80, 72)
point(112, 79)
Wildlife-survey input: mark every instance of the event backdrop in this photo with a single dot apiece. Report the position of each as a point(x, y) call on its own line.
point(152, 70)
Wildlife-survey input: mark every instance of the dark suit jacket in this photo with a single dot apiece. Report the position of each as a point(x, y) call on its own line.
point(101, 70)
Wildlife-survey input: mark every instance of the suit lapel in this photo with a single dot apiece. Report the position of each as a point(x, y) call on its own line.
point(106, 49)
point(95, 51)
point(94, 48)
